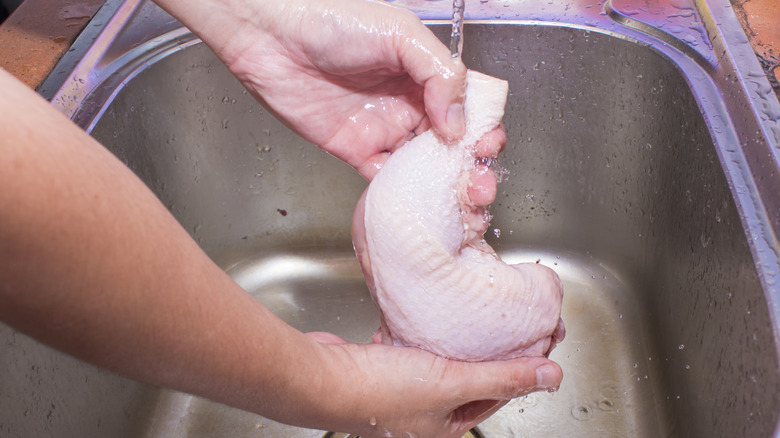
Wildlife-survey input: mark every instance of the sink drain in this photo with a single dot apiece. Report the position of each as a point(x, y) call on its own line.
point(473, 433)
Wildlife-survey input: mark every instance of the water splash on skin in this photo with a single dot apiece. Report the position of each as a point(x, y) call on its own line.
point(439, 66)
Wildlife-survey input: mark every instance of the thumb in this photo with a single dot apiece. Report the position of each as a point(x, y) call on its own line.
point(327, 338)
point(443, 78)
point(504, 380)
point(492, 384)
point(443, 98)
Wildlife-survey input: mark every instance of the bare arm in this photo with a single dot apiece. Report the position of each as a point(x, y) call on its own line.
point(373, 74)
point(94, 265)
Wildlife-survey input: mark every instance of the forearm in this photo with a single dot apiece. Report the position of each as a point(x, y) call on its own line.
point(94, 264)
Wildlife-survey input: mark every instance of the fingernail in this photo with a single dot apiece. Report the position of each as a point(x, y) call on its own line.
point(455, 121)
point(547, 377)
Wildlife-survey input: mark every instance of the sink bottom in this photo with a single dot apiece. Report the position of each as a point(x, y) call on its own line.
point(609, 383)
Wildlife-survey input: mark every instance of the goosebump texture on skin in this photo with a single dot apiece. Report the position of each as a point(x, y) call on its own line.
point(438, 285)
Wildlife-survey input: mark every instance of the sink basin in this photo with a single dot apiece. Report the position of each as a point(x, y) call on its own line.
point(625, 173)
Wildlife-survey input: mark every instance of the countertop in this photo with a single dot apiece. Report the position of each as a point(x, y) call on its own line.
point(38, 33)
point(761, 21)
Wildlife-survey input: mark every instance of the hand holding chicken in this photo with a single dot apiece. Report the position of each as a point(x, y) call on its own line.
point(418, 234)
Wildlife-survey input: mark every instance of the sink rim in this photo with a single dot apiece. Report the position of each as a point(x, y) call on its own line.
point(111, 61)
point(186, 39)
point(106, 72)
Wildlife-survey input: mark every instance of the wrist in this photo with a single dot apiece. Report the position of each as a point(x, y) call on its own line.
point(223, 23)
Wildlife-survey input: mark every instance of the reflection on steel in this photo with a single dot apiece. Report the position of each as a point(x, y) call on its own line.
point(642, 166)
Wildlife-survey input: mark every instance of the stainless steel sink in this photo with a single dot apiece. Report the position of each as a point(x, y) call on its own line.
point(641, 165)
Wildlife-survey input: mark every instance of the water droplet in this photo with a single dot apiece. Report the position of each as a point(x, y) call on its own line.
point(372, 421)
point(582, 412)
point(705, 240)
point(497, 232)
point(528, 401)
point(606, 405)
point(680, 347)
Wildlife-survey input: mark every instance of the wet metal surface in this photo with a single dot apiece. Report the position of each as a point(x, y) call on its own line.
point(626, 174)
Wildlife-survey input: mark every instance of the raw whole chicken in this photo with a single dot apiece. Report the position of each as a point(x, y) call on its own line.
point(438, 285)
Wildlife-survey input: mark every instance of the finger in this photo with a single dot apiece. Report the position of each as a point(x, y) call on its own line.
point(327, 338)
point(505, 380)
point(469, 415)
point(557, 337)
point(443, 98)
point(359, 242)
point(425, 124)
point(377, 338)
point(492, 143)
point(483, 186)
point(429, 64)
point(371, 166)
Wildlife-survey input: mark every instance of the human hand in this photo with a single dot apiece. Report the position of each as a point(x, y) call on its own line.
point(403, 391)
point(358, 78)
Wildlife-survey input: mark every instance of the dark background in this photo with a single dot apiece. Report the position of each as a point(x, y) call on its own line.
point(6, 7)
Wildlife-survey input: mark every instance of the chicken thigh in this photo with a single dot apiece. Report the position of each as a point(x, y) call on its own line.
point(438, 285)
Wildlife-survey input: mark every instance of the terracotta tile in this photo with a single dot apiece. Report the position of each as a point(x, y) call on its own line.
point(761, 21)
point(763, 17)
point(38, 33)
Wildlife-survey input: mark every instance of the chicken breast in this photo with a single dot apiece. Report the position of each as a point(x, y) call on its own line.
point(438, 285)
